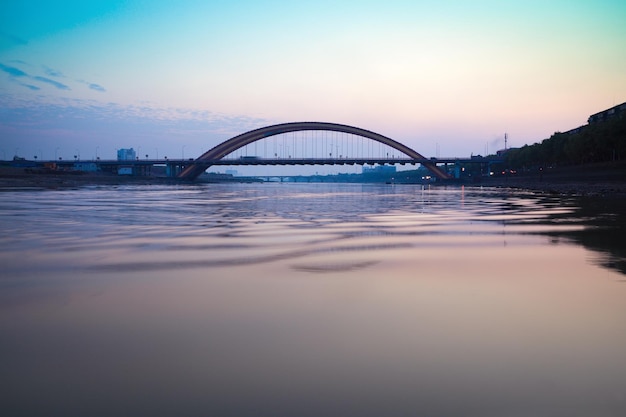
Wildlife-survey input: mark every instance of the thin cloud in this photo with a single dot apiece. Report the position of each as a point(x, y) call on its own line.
point(52, 72)
point(57, 84)
point(93, 86)
point(12, 38)
point(66, 122)
point(18, 73)
point(12, 71)
point(97, 87)
point(30, 86)
point(15, 72)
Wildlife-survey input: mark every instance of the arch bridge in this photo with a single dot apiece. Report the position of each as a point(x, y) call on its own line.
point(215, 155)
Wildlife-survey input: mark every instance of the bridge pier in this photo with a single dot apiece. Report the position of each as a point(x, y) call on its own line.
point(173, 169)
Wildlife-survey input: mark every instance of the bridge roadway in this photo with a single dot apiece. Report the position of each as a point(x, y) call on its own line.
point(349, 161)
point(278, 161)
point(175, 166)
point(274, 161)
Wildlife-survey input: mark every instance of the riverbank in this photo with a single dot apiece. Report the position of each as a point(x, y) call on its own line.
point(602, 180)
point(598, 180)
point(13, 177)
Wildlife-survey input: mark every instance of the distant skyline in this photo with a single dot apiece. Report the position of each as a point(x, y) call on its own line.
point(447, 77)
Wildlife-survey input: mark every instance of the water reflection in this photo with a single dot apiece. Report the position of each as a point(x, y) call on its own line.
point(308, 300)
point(604, 221)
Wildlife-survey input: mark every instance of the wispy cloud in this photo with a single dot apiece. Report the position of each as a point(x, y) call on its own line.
point(30, 86)
point(18, 73)
point(52, 72)
point(15, 73)
point(12, 38)
point(97, 87)
point(56, 84)
point(93, 86)
point(67, 122)
point(12, 71)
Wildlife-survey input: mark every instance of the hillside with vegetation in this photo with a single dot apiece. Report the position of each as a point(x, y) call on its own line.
point(590, 144)
point(587, 161)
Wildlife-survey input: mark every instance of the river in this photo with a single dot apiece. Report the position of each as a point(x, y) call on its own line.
point(310, 300)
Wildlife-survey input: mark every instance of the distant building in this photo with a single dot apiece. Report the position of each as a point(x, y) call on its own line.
point(379, 169)
point(503, 152)
point(615, 111)
point(126, 154)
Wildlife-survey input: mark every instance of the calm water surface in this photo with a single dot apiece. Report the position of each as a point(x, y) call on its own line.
point(310, 300)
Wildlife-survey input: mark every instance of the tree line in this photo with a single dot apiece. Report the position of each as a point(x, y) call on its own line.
point(596, 142)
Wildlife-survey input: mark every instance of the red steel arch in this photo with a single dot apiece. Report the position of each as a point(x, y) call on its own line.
point(192, 171)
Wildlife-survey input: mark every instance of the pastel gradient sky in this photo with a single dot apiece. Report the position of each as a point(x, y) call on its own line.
point(173, 76)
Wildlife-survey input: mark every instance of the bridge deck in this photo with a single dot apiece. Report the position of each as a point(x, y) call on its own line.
point(278, 161)
point(343, 161)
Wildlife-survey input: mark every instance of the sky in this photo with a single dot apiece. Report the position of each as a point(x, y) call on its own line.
point(444, 77)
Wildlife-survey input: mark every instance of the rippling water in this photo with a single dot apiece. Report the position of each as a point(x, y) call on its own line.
point(310, 300)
